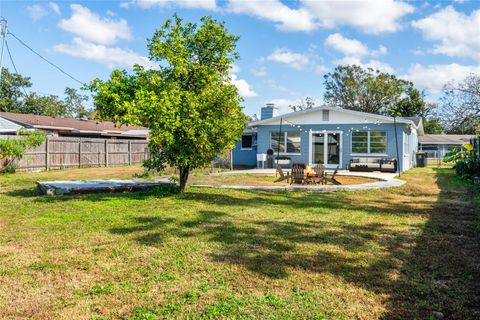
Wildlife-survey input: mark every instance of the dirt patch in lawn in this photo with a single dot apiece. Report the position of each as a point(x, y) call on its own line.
point(261, 180)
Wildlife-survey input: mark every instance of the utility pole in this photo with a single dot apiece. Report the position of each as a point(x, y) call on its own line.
point(3, 32)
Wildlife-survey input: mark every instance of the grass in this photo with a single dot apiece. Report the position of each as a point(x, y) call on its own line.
point(397, 253)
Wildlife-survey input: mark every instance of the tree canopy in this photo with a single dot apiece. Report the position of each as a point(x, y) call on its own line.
point(308, 103)
point(460, 106)
point(372, 91)
point(189, 104)
point(15, 98)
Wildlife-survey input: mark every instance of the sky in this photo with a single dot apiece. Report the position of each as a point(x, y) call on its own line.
point(285, 47)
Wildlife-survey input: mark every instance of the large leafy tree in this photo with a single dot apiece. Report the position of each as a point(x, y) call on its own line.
point(373, 91)
point(460, 105)
point(191, 108)
point(12, 91)
point(49, 105)
point(75, 104)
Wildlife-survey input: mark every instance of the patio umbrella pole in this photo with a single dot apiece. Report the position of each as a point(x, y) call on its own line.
point(396, 144)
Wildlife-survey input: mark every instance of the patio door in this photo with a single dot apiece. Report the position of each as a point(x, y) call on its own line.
point(326, 148)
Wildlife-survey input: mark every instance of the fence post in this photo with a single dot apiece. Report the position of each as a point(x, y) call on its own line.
point(129, 152)
point(80, 153)
point(47, 154)
point(106, 152)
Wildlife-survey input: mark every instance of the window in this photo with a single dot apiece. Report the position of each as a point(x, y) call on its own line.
point(247, 141)
point(291, 140)
point(369, 142)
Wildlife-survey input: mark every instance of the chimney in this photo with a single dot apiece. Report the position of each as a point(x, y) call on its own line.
point(267, 111)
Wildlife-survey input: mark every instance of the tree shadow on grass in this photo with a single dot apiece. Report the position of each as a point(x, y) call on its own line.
point(442, 273)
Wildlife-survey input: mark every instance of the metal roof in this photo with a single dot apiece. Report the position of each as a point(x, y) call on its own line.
point(445, 139)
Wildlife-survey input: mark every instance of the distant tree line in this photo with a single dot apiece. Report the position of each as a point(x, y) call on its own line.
point(15, 98)
point(373, 91)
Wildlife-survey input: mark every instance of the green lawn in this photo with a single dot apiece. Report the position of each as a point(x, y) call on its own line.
point(396, 253)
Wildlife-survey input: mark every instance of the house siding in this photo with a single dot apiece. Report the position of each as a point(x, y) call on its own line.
point(244, 157)
point(263, 140)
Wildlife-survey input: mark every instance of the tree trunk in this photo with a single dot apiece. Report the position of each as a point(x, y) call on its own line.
point(184, 171)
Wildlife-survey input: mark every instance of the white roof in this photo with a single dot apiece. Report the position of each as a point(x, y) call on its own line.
point(445, 139)
point(305, 116)
point(7, 126)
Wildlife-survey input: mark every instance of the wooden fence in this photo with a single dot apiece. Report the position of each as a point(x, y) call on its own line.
point(64, 152)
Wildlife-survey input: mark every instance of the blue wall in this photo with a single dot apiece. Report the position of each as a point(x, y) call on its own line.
point(244, 157)
point(263, 141)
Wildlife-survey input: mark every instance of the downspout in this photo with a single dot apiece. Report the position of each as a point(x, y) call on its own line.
point(396, 145)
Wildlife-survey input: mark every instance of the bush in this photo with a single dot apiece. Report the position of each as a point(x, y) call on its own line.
point(468, 167)
point(466, 163)
point(14, 149)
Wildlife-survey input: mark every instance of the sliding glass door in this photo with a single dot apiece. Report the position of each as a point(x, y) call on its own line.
point(326, 148)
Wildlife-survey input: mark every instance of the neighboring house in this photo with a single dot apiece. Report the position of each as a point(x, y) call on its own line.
point(8, 127)
point(437, 145)
point(330, 136)
point(67, 127)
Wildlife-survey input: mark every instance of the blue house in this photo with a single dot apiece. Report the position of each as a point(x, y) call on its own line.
point(330, 136)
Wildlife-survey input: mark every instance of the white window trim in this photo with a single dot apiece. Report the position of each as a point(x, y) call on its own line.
point(241, 143)
point(285, 133)
point(368, 145)
point(325, 146)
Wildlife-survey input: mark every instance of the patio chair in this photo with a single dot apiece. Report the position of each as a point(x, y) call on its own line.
point(319, 174)
point(331, 178)
point(297, 175)
point(282, 175)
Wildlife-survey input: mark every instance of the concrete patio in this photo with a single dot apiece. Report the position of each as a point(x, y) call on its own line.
point(375, 175)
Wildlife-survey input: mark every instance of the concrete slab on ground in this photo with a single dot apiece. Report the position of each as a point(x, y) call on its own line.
point(94, 186)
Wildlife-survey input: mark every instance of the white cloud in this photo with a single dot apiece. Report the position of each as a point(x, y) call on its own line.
point(294, 60)
point(112, 57)
point(434, 77)
point(355, 51)
point(244, 88)
point(286, 18)
point(55, 8)
point(352, 47)
point(457, 33)
point(371, 16)
point(36, 11)
point(349, 47)
point(94, 28)
point(260, 72)
point(188, 4)
point(374, 64)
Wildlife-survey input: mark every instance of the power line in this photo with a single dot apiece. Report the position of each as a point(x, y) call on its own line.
point(13, 63)
point(46, 60)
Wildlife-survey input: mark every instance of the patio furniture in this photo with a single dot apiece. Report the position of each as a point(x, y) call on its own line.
point(282, 175)
point(365, 164)
point(298, 175)
point(389, 165)
point(331, 178)
point(319, 174)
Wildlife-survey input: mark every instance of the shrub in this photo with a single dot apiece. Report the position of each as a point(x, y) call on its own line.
point(466, 163)
point(14, 149)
